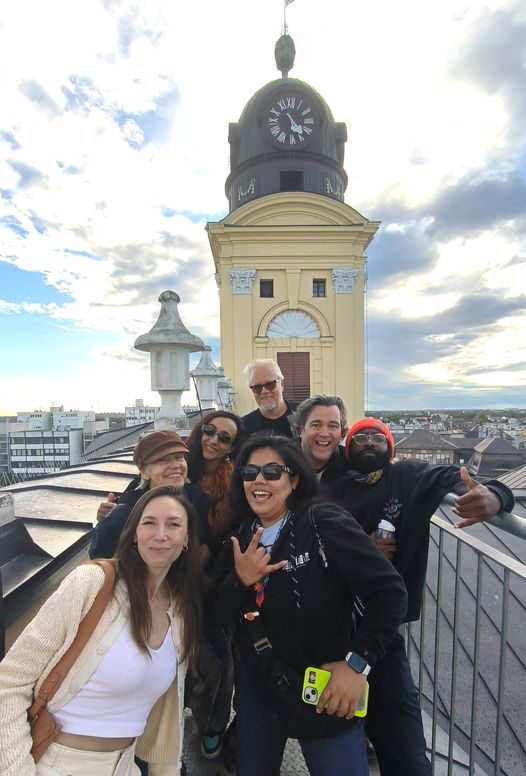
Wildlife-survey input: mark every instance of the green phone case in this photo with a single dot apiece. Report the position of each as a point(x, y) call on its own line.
point(314, 683)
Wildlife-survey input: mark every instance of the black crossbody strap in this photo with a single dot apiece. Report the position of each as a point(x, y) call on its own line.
point(321, 548)
point(258, 634)
point(252, 616)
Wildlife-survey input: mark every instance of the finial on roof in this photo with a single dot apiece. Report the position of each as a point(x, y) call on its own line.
point(169, 331)
point(285, 51)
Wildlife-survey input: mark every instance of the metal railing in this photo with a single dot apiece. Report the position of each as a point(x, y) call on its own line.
point(468, 653)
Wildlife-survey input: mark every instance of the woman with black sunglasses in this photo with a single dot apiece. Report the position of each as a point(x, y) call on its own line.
point(288, 581)
point(213, 444)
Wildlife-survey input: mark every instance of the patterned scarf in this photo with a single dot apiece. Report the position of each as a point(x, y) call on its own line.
point(365, 479)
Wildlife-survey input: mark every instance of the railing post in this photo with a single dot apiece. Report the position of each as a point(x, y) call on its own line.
point(476, 653)
point(502, 666)
point(2, 621)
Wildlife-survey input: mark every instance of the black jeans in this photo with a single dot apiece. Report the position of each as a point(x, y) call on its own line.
point(394, 721)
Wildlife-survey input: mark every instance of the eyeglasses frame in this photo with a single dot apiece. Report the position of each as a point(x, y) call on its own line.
point(219, 434)
point(370, 437)
point(270, 385)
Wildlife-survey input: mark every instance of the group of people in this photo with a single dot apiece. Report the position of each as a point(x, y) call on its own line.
point(243, 555)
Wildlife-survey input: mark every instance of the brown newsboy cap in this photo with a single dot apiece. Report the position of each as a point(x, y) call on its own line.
point(156, 445)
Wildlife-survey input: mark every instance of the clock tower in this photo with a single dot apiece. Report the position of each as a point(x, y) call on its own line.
point(290, 255)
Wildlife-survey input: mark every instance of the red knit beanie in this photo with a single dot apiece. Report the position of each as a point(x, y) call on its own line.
point(369, 423)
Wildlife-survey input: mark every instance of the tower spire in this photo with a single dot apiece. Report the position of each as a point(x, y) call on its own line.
point(285, 4)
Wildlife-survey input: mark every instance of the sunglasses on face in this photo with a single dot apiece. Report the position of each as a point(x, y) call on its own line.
point(258, 387)
point(377, 439)
point(222, 436)
point(270, 471)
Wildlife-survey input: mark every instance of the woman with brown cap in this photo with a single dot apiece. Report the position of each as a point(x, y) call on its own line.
point(161, 460)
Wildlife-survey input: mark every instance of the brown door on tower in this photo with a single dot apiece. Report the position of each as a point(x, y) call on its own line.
point(296, 372)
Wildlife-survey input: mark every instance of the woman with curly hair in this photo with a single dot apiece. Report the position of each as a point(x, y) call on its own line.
point(214, 443)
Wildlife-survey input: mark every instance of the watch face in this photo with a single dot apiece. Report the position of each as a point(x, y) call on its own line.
point(357, 663)
point(291, 120)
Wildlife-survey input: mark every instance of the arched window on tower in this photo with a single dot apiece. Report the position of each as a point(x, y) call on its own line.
point(293, 324)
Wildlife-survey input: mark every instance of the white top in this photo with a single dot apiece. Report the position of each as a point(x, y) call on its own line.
point(116, 700)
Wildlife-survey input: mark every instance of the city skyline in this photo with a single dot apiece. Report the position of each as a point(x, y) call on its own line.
point(114, 154)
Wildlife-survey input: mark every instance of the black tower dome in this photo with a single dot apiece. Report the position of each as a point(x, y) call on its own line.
point(285, 140)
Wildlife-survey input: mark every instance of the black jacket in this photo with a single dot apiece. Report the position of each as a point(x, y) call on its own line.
point(321, 629)
point(255, 421)
point(407, 494)
point(336, 467)
point(107, 533)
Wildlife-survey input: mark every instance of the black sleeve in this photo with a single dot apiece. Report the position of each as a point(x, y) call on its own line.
point(227, 593)
point(107, 533)
point(502, 492)
point(443, 479)
point(368, 574)
point(201, 504)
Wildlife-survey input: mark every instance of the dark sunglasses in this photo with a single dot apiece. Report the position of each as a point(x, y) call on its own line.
point(258, 387)
point(377, 439)
point(222, 436)
point(270, 471)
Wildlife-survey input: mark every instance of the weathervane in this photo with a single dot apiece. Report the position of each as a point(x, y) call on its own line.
point(285, 4)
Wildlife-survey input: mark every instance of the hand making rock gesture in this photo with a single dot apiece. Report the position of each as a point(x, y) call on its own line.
point(253, 564)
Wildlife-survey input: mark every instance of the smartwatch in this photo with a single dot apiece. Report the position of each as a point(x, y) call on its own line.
point(357, 663)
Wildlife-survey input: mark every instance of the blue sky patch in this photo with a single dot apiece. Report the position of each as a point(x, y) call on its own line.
point(17, 285)
point(11, 222)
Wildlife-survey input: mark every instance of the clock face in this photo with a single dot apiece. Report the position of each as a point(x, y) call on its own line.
point(291, 120)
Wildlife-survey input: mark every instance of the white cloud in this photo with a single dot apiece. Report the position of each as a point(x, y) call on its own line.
point(115, 154)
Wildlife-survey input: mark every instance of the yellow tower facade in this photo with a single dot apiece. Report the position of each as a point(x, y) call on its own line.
point(290, 256)
point(291, 274)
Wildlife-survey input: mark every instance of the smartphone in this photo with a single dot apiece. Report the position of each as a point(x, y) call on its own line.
point(314, 683)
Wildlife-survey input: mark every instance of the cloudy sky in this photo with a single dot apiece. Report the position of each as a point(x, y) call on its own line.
point(113, 155)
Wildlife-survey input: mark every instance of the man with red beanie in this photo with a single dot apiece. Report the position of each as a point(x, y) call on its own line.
point(407, 494)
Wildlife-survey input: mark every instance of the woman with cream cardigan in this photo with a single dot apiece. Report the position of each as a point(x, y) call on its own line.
point(124, 693)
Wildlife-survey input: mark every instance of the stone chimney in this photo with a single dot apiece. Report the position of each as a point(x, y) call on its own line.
point(206, 376)
point(169, 344)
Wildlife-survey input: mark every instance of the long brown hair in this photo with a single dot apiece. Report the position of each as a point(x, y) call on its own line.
point(185, 577)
